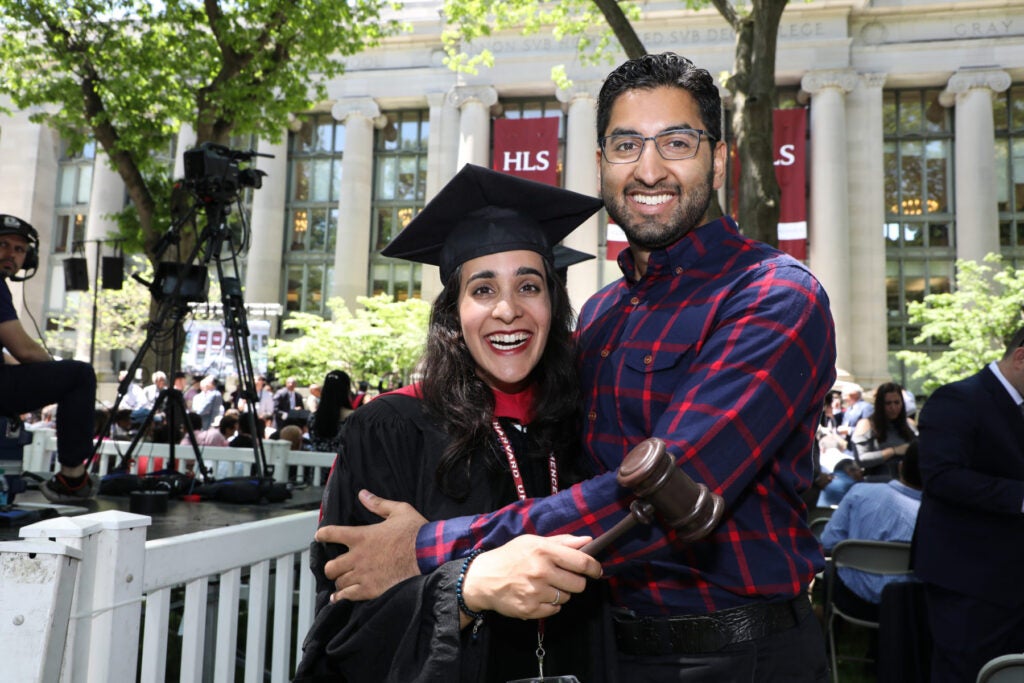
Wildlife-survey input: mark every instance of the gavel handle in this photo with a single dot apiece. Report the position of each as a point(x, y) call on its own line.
point(640, 511)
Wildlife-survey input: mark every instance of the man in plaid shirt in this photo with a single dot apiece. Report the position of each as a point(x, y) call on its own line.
point(721, 346)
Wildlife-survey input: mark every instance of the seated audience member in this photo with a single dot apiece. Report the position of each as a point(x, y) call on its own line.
point(227, 426)
point(326, 427)
point(293, 435)
point(856, 410)
point(832, 415)
point(313, 400)
point(209, 402)
point(883, 511)
point(242, 438)
point(360, 396)
point(880, 441)
point(149, 397)
point(841, 480)
point(122, 429)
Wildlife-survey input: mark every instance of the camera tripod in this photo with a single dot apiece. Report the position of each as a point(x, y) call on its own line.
point(178, 284)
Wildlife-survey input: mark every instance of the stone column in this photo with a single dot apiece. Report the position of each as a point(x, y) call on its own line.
point(352, 253)
point(474, 104)
point(869, 354)
point(977, 213)
point(106, 197)
point(29, 168)
point(830, 218)
point(265, 258)
point(442, 150)
point(581, 176)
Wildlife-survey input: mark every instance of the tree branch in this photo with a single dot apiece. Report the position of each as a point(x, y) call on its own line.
point(623, 30)
point(728, 12)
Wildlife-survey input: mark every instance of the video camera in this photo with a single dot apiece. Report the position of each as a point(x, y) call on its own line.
point(212, 171)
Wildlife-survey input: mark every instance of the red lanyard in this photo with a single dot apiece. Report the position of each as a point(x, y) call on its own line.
point(513, 464)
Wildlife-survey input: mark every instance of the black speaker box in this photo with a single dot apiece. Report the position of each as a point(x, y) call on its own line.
point(113, 272)
point(76, 274)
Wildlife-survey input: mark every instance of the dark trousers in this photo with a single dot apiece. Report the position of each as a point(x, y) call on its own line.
point(968, 632)
point(794, 655)
point(71, 384)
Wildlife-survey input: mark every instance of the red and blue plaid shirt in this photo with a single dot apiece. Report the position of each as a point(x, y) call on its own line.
point(725, 350)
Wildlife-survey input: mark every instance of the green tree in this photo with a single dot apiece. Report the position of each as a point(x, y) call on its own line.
point(129, 73)
point(975, 321)
point(382, 339)
point(752, 81)
point(121, 315)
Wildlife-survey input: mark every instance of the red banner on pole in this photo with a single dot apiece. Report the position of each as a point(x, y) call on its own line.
point(790, 134)
point(790, 137)
point(527, 148)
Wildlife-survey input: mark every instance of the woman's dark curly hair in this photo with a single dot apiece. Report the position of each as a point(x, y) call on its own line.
point(457, 397)
point(878, 420)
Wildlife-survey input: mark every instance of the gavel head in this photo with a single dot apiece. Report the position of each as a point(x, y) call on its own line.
point(686, 506)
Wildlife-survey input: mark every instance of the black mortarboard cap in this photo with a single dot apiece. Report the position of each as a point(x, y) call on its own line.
point(481, 212)
point(567, 256)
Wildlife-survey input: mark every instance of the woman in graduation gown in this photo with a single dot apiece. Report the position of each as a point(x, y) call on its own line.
point(492, 421)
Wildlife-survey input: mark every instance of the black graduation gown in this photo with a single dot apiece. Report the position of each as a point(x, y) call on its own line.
point(411, 633)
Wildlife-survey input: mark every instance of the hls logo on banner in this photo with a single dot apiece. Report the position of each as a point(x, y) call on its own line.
point(527, 148)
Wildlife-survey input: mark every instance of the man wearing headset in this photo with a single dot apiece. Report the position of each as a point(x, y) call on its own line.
point(38, 380)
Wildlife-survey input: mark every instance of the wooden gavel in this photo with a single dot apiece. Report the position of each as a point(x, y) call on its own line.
point(686, 506)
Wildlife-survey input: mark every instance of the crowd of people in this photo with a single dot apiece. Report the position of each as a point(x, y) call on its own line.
point(216, 414)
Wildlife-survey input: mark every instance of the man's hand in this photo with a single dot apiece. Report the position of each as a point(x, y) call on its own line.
point(379, 555)
point(530, 577)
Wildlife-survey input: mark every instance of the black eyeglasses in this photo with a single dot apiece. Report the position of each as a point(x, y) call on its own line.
point(672, 145)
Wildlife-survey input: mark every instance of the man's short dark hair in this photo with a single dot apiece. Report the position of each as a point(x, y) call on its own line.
point(654, 71)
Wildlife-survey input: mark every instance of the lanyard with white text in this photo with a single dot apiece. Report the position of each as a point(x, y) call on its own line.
point(517, 479)
point(513, 464)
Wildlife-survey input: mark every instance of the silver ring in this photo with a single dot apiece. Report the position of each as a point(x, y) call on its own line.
point(558, 596)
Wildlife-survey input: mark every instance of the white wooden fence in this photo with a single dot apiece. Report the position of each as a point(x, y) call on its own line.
point(75, 591)
point(38, 456)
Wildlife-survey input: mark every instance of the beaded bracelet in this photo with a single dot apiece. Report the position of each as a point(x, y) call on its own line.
point(477, 617)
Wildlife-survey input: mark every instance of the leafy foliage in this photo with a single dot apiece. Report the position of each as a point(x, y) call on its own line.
point(976, 321)
point(472, 20)
point(381, 340)
point(130, 73)
point(121, 314)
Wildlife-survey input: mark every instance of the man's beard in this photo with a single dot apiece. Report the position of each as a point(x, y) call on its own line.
point(649, 234)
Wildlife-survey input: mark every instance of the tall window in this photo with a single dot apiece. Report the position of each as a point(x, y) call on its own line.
point(399, 192)
point(1009, 126)
point(919, 221)
point(74, 183)
point(314, 183)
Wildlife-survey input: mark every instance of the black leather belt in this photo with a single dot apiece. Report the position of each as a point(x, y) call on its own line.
point(704, 633)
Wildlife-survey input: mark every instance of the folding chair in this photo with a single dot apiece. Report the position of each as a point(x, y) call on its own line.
point(817, 526)
point(1005, 669)
point(876, 557)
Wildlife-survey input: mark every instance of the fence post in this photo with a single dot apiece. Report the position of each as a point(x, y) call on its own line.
point(106, 610)
point(35, 457)
point(276, 451)
point(37, 581)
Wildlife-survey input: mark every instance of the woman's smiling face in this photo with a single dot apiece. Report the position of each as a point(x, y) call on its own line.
point(505, 312)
